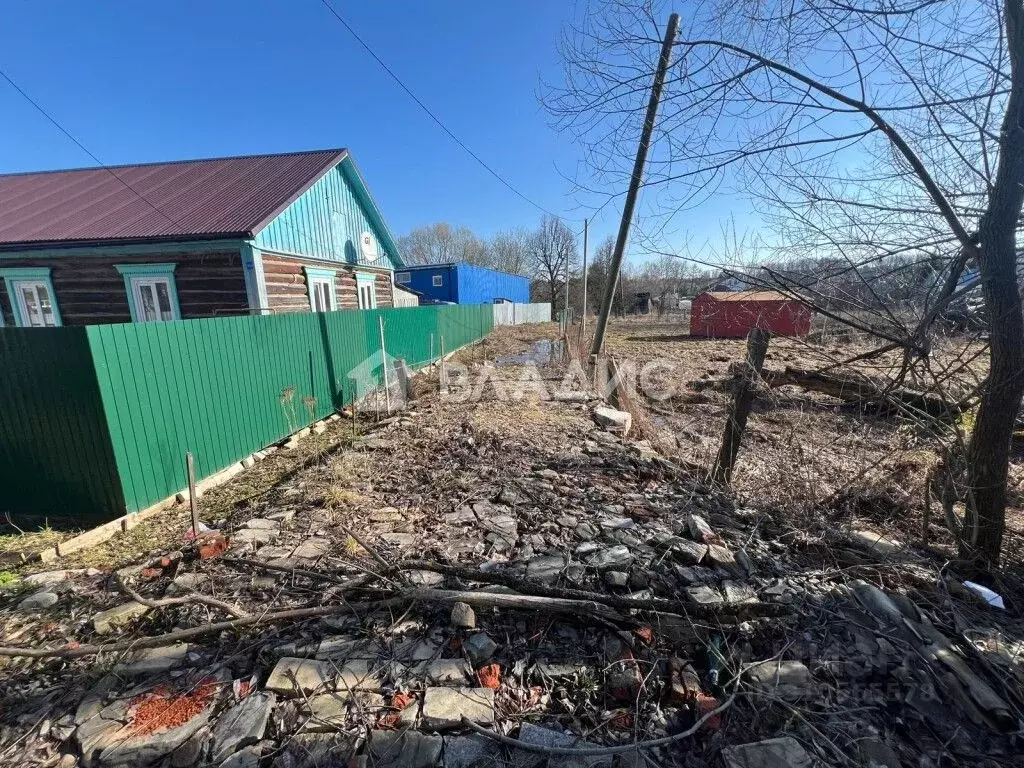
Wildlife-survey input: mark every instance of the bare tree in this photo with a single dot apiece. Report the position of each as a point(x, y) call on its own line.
point(509, 251)
point(552, 251)
point(883, 135)
point(442, 244)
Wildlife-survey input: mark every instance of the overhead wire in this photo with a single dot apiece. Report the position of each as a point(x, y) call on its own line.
point(56, 123)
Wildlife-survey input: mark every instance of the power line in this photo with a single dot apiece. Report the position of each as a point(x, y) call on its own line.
point(80, 145)
point(434, 117)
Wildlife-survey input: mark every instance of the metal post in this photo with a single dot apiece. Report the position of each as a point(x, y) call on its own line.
point(634, 183)
point(193, 503)
point(384, 364)
point(431, 349)
point(443, 378)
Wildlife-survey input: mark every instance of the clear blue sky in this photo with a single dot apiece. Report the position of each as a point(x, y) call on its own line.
point(138, 81)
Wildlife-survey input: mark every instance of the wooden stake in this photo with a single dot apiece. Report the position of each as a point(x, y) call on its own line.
point(757, 347)
point(193, 503)
point(384, 364)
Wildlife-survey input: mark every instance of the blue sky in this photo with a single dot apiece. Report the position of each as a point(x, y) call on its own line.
point(138, 82)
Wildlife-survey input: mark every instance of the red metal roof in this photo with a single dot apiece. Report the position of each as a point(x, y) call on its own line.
point(748, 296)
point(191, 199)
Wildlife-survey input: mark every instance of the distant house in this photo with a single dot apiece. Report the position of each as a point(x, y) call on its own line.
point(157, 242)
point(734, 314)
point(463, 284)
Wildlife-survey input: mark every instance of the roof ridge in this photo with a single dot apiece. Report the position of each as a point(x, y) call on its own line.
point(329, 151)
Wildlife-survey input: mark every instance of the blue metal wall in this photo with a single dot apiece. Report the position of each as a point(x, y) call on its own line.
point(479, 285)
point(325, 222)
point(421, 280)
point(467, 284)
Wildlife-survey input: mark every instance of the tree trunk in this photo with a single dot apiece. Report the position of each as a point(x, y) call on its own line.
point(989, 449)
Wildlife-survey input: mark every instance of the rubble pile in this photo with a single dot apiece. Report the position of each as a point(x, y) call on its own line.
point(460, 590)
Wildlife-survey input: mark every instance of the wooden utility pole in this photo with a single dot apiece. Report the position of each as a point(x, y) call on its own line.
point(583, 317)
point(384, 364)
point(193, 502)
point(634, 183)
point(757, 347)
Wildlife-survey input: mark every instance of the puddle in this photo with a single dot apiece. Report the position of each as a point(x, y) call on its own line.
point(540, 352)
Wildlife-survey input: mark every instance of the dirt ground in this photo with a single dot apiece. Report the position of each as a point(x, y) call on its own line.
point(506, 563)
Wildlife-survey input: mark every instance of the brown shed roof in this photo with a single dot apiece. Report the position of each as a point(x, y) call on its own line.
point(749, 296)
point(191, 199)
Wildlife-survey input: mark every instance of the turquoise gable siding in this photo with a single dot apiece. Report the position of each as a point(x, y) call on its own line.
point(325, 222)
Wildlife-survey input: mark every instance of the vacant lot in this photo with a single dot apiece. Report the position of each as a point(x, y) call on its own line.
point(505, 563)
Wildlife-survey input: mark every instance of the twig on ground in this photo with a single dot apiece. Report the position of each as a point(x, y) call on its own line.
point(600, 751)
point(190, 599)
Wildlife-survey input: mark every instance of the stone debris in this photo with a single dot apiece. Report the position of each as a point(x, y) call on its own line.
point(242, 725)
point(40, 601)
point(789, 680)
point(783, 752)
point(463, 616)
point(444, 708)
point(557, 507)
point(106, 621)
point(609, 418)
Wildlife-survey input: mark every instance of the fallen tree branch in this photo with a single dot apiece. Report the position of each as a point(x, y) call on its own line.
point(851, 388)
point(734, 611)
point(74, 650)
point(190, 599)
point(600, 751)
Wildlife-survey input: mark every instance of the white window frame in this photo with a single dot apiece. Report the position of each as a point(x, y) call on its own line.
point(437, 281)
point(322, 280)
point(36, 279)
point(140, 276)
point(366, 291)
point(403, 278)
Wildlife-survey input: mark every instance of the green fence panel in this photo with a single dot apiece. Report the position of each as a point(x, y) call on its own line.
point(225, 387)
point(56, 458)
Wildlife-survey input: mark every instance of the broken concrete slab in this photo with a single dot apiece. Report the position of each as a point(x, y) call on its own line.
point(105, 621)
point(446, 671)
point(539, 736)
point(613, 419)
point(40, 601)
point(151, 661)
point(404, 749)
point(472, 751)
point(444, 708)
point(783, 752)
point(480, 648)
point(242, 725)
point(312, 548)
point(546, 568)
point(618, 556)
point(293, 676)
point(736, 592)
point(704, 594)
point(789, 680)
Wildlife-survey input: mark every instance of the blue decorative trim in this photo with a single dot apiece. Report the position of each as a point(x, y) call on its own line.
point(128, 271)
point(34, 274)
point(255, 281)
point(312, 274)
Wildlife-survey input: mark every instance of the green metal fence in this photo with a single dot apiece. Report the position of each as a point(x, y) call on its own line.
point(96, 421)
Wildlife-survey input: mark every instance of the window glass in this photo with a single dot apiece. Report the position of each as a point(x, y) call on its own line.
point(438, 281)
point(35, 304)
point(402, 277)
point(322, 296)
point(152, 297)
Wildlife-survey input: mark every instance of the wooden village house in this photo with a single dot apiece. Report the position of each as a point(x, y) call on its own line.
point(260, 234)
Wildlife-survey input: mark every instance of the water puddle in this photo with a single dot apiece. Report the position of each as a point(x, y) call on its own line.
point(541, 352)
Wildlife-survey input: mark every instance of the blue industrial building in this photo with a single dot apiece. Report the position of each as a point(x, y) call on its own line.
point(463, 284)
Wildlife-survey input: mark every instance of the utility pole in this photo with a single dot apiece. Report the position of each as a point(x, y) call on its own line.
point(583, 317)
point(634, 183)
point(568, 259)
